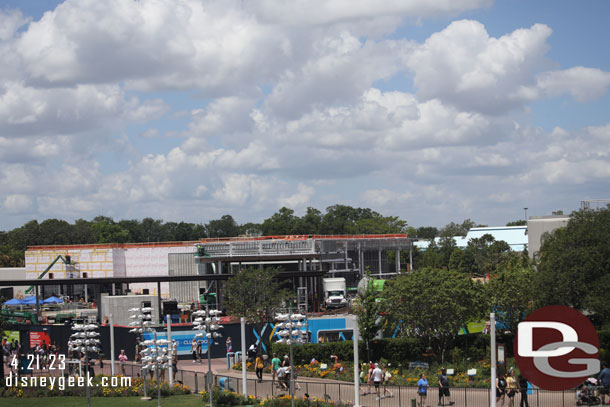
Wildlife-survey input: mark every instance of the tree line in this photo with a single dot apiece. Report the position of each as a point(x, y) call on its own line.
point(335, 220)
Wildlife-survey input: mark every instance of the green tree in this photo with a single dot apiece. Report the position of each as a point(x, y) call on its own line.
point(107, 231)
point(517, 223)
point(379, 225)
point(10, 257)
point(257, 295)
point(510, 293)
point(463, 262)
point(251, 229)
point(82, 233)
point(55, 232)
point(431, 257)
point(283, 222)
point(343, 219)
point(574, 264)
point(488, 253)
point(151, 230)
point(433, 304)
point(427, 232)
point(455, 229)
point(367, 309)
point(311, 222)
point(223, 227)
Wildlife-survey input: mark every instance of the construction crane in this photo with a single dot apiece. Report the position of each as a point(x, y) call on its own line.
point(66, 260)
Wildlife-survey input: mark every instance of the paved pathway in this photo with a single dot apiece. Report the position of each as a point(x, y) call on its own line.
point(194, 376)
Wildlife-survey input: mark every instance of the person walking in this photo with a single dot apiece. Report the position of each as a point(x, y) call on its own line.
point(422, 389)
point(200, 351)
point(523, 385)
point(387, 379)
point(377, 378)
point(500, 390)
point(275, 365)
point(511, 387)
point(369, 382)
point(443, 388)
point(259, 363)
point(604, 380)
point(122, 360)
point(229, 345)
point(194, 350)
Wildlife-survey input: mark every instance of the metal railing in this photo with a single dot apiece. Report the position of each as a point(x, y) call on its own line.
point(261, 247)
point(390, 396)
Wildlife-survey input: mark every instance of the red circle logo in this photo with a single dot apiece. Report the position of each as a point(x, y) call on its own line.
point(557, 348)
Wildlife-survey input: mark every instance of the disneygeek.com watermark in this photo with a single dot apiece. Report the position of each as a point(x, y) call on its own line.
point(62, 382)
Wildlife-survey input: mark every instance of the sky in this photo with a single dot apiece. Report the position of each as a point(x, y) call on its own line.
point(187, 110)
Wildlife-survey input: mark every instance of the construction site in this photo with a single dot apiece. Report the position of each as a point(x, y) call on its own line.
point(101, 271)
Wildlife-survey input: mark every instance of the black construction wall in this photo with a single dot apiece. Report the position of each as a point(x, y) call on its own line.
point(123, 339)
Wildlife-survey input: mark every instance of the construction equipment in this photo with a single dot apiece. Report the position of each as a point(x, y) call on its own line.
point(67, 260)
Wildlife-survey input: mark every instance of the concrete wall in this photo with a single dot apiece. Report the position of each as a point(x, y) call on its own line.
point(119, 306)
point(12, 273)
point(537, 226)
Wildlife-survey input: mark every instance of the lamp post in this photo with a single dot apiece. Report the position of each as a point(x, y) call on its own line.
point(291, 332)
point(208, 322)
point(85, 341)
point(155, 355)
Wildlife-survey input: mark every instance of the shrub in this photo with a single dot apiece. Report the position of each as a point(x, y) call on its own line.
point(228, 398)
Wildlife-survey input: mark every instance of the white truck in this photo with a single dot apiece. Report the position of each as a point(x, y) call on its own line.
point(334, 292)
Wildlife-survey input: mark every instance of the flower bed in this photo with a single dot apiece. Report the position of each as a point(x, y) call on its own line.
point(344, 371)
point(136, 389)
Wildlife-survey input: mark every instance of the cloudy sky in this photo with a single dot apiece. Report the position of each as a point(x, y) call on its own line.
point(434, 111)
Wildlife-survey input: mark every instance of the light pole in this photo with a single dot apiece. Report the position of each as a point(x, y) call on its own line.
point(208, 323)
point(525, 209)
point(155, 355)
point(291, 332)
point(85, 341)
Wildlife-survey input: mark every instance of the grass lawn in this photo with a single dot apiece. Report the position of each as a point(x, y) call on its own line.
point(174, 401)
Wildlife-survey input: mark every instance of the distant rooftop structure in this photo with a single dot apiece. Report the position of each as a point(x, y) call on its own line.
point(515, 236)
point(540, 226)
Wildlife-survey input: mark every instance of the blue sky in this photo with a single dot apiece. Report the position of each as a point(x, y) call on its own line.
point(433, 111)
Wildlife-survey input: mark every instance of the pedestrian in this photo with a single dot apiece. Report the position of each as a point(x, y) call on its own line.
point(443, 387)
point(122, 360)
point(174, 365)
point(229, 345)
point(511, 387)
point(251, 353)
point(194, 349)
point(138, 356)
point(281, 378)
point(377, 378)
point(500, 389)
point(523, 385)
point(259, 365)
point(286, 361)
point(387, 379)
point(369, 382)
point(199, 350)
point(275, 365)
point(422, 389)
point(604, 380)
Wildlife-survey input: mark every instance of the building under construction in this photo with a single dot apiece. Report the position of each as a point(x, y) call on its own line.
point(308, 258)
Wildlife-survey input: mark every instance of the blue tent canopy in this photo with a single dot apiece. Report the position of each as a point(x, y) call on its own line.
point(29, 300)
point(13, 301)
point(53, 300)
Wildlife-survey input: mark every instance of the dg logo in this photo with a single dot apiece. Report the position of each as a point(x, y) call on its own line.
point(557, 348)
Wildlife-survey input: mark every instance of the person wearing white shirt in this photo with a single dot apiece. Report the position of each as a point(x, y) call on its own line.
point(377, 374)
